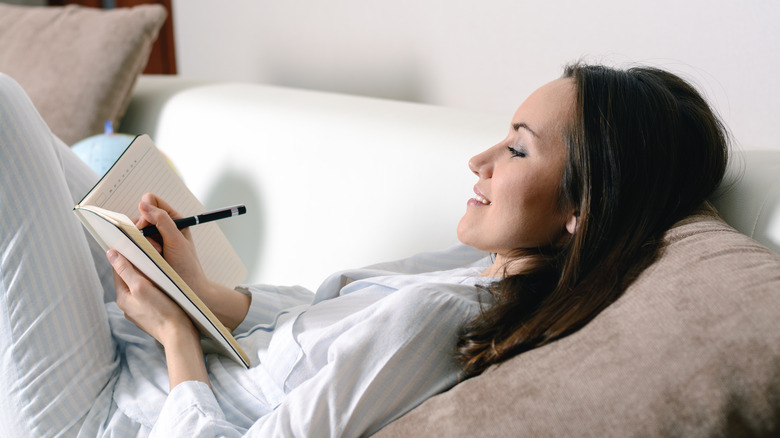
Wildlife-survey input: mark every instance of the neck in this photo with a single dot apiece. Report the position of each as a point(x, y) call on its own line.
point(504, 266)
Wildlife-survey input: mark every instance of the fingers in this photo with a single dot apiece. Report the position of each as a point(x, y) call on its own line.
point(122, 267)
point(143, 303)
point(126, 277)
point(122, 290)
point(155, 211)
point(156, 202)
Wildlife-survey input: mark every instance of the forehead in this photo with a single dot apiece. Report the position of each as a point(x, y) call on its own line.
point(548, 108)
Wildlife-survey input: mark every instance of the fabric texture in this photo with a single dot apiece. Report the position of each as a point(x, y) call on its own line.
point(77, 64)
point(352, 361)
point(36, 209)
point(367, 347)
point(692, 349)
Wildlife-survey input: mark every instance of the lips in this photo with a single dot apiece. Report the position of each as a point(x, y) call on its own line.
point(480, 198)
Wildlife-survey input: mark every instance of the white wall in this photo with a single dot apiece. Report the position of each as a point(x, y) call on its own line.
point(488, 55)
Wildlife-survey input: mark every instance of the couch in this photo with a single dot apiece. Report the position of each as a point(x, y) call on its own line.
point(333, 181)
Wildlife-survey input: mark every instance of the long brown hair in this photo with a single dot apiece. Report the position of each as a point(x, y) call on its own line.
point(644, 150)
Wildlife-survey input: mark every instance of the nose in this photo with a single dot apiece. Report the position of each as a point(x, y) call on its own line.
point(481, 164)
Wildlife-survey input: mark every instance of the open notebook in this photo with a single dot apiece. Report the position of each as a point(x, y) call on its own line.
point(106, 211)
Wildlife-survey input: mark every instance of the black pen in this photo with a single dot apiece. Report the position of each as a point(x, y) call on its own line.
point(204, 217)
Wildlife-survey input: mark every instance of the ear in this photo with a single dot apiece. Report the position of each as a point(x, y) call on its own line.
point(571, 224)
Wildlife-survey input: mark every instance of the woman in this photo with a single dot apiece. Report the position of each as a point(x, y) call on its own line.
point(572, 203)
point(644, 150)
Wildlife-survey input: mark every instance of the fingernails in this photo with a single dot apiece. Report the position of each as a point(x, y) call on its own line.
point(145, 206)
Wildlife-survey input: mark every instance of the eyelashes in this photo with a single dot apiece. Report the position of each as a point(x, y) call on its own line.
point(516, 152)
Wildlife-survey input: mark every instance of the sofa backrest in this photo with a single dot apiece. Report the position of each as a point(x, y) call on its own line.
point(749, 198)
point(331, 182)
point(334, 182)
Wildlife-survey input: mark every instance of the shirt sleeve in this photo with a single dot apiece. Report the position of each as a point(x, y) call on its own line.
point(380, 367)
point(389, 359)
point(268, 301)
point(191, 410)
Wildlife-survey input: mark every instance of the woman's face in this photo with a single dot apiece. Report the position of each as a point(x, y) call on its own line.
point(517, 194)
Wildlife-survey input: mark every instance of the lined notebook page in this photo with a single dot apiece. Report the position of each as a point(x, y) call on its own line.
point(142, 168)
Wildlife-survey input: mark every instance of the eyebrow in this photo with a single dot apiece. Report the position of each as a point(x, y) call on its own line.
point(517, 126)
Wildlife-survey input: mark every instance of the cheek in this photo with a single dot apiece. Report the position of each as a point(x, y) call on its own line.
point(532, 215)
point(518, 197)
point(525, 212)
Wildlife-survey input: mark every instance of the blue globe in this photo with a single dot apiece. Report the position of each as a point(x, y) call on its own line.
point(102, 150)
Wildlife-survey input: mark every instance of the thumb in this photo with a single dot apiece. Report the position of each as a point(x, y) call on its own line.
point(122, 266)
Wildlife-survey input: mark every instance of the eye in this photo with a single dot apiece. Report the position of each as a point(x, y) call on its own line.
point(516, 152)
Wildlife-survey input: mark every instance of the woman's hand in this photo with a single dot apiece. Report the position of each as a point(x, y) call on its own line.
point(176, 246)
point(156, 314)
point(145, 305)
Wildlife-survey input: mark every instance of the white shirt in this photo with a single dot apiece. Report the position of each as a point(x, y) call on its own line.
point(371, 345)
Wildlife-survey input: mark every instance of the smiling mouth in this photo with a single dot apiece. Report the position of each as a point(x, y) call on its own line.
point(481, 199)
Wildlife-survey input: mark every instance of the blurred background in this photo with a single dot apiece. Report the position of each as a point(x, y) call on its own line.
point(486, 56)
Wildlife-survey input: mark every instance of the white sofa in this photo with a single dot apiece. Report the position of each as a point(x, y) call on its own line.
point(330, 181)
point(334, 182)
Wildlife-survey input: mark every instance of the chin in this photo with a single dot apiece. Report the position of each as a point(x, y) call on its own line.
point(472, 243)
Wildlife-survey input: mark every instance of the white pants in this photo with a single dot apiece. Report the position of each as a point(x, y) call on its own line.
point(56, 349)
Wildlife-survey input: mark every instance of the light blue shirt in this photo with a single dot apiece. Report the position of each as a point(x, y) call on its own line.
point(370, 345)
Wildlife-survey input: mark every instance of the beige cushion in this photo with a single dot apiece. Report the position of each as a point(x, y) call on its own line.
point(691, 349)
point(78, 65)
